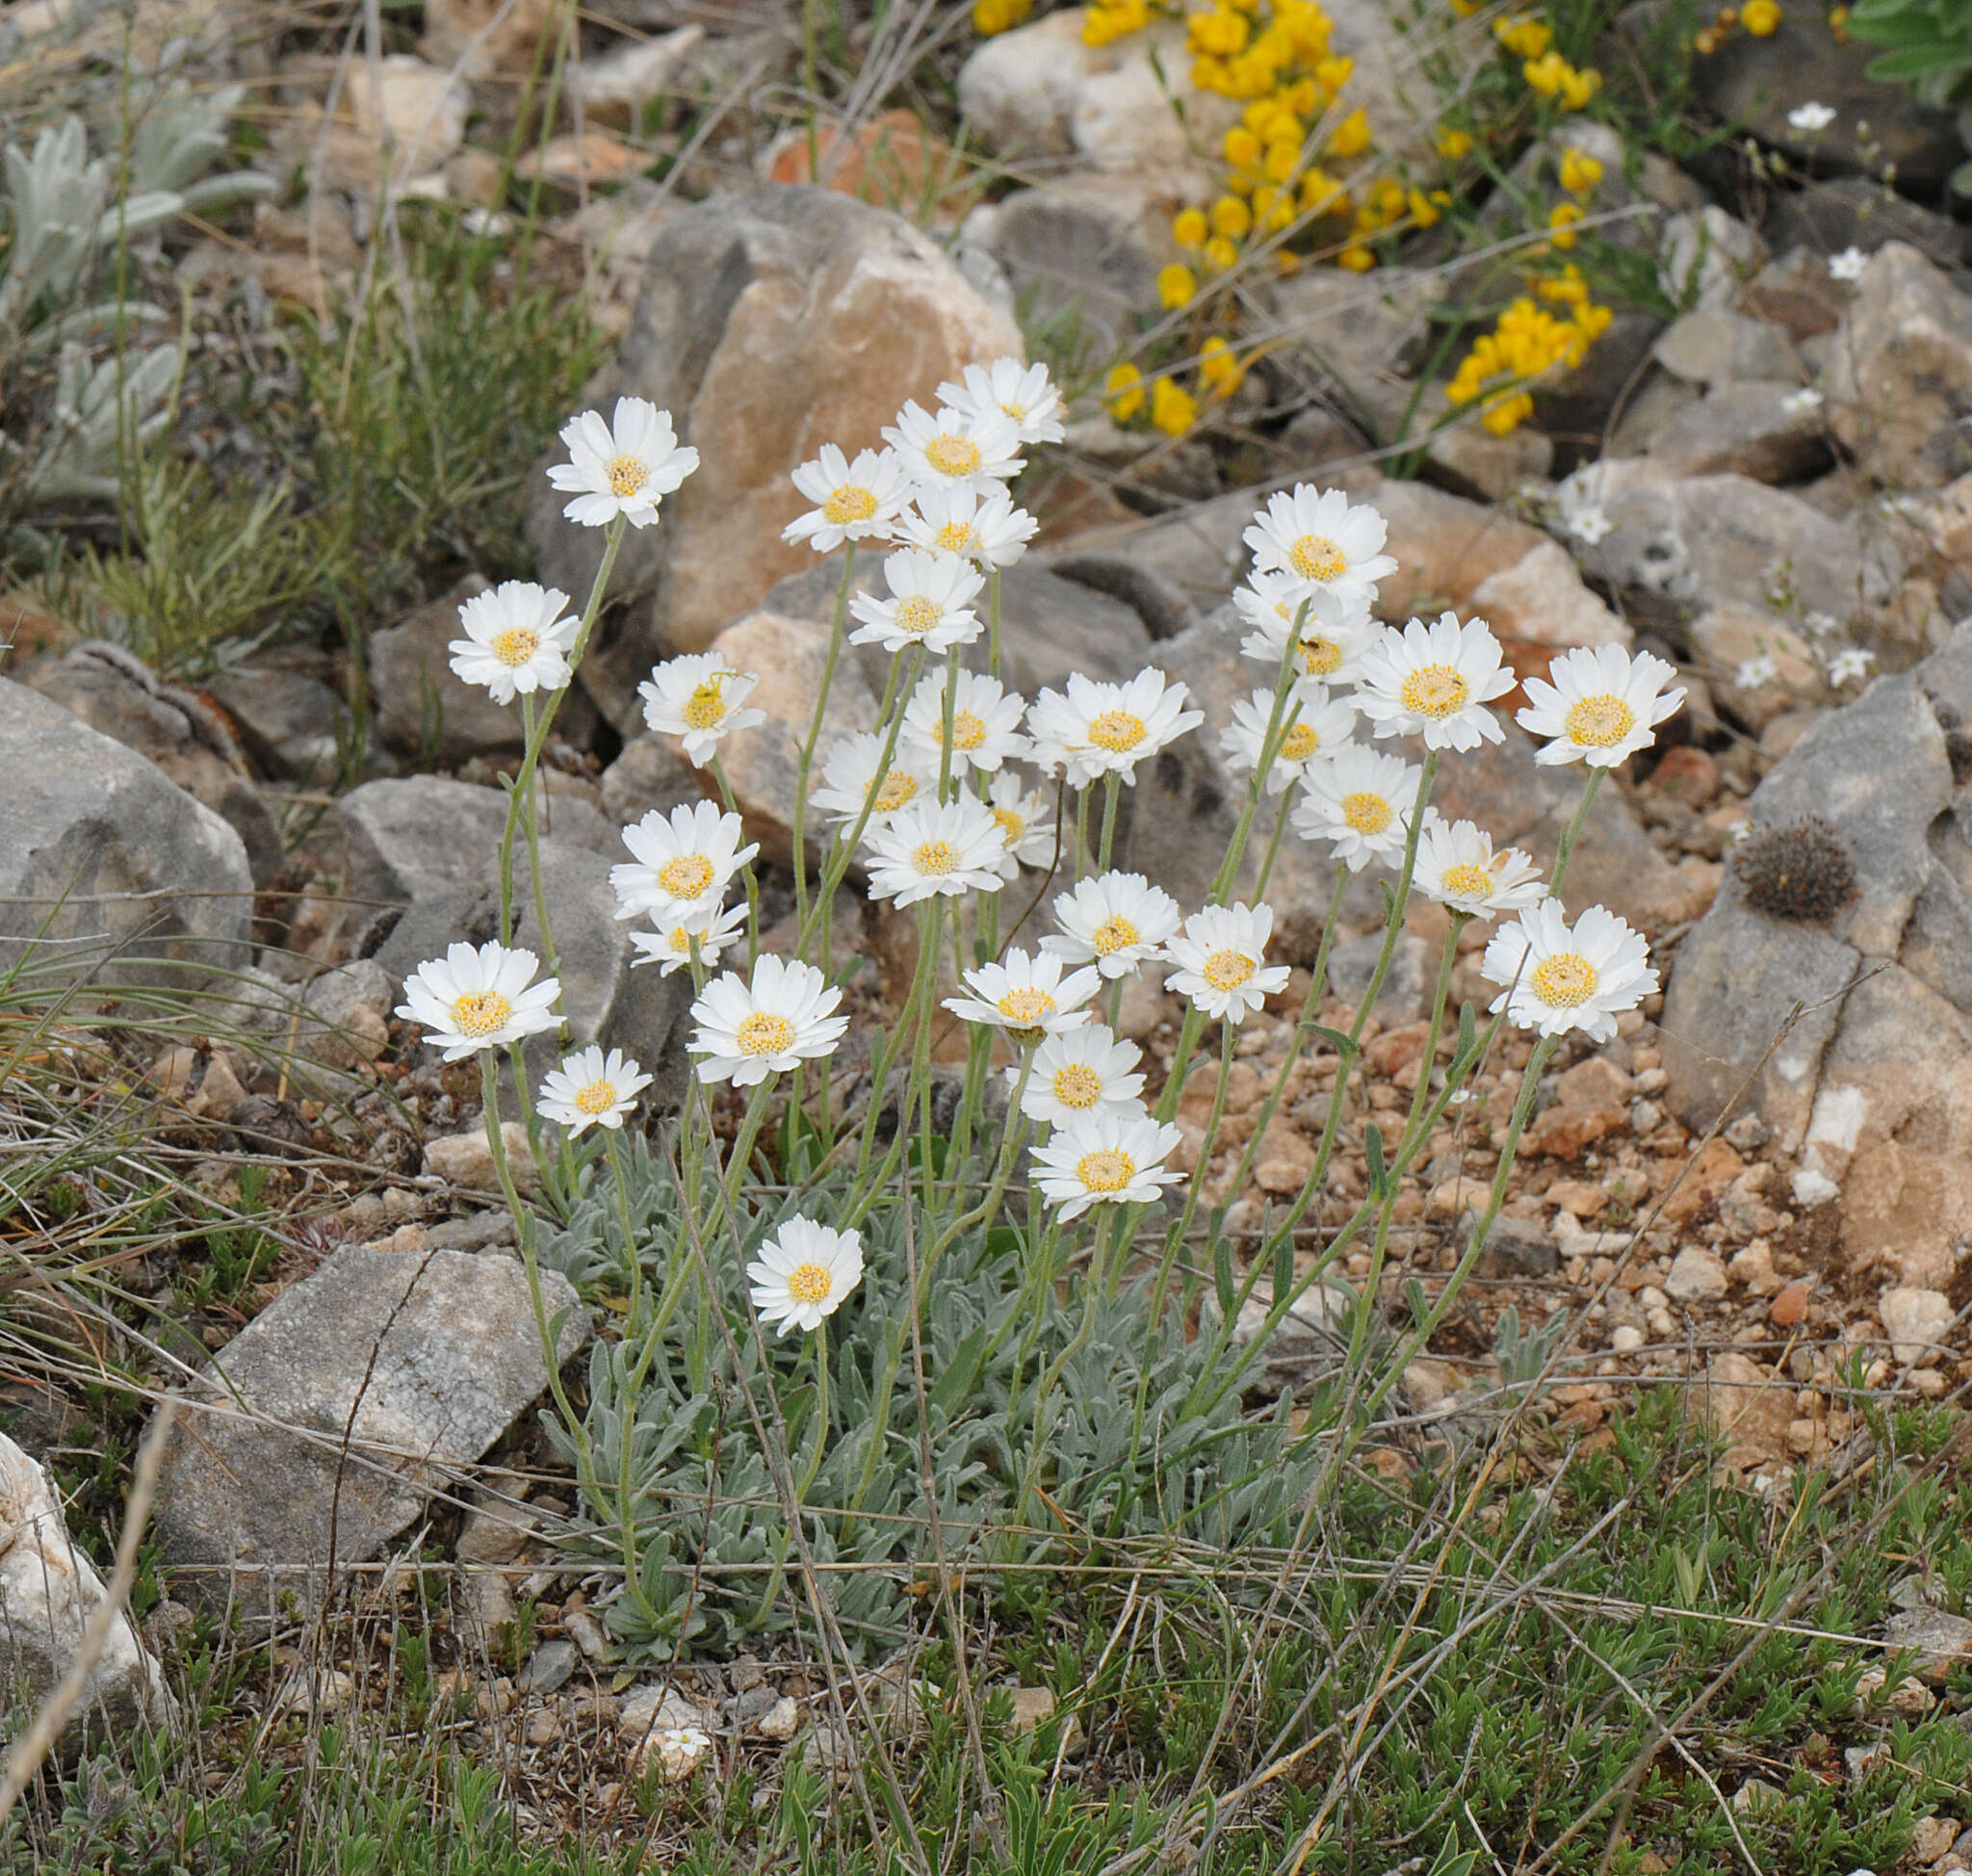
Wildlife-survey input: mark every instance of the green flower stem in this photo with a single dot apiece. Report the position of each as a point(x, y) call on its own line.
point(1081, 833)
point(992, 621)
point(1010, 1144)
point(743, 1149)
point(1565, 851)
point(1229, 1035)
point(538, 738)
point(1092, 1296)
point(1269, 747)
point(530, 822)
point(1440, 999)
point(932, 938)
point(806, 761)
point(1273, 852)
point(923, 985)
point(1112, 794)
point(1181, 1062)
point(813, 1464)
point(747, 875)
point(951, 705)
point(626, 1516)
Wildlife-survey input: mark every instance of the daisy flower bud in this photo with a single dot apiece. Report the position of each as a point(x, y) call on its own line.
point(682, 863)
point(1319, 540)
point(1026, 822)
point(986, 528)
point(591, 1089)
point(930, 847)
point(985, 724)
point(1106, 729)
point(853, 500)
point(671, 946)
point(1599, 705)
point(1113, 1157)
point(1115, 921)
point(1334, 634)
point(1559, 978)
point(747, 1032)
point(622, 468)
point(854, 772)
point(1458, 867)
point(956, 449)
point(1027, 997)
point(517, 639)
point(1360, 801)
point(699, 698)
point(931, 603)
point(1023, 394)
point(471, 1000)
point(803, 1273)
point(1219, 958)
point(1314, 723)
point(1434, 680)
point(1078, 1073)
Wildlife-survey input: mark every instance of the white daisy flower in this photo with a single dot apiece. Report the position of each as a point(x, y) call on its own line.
point(622, 468)
point(1113, 1157)
point(1458, 867)
point(931, 603)
point(1848, 265)
point(1081, 1072)
point(1560, 979)
point(1103, 729)
point(1026, 822)
point(699, 698)
point(1434, 680)
point(1220, 956)
point(1801, 404)
point(930, 846)
point(680, 1750)
point(1316, 726)
point(1753, 673)
point(853, 500)
point(1320, 541)
point(975, 449)
point(1026, 995)
point(854, 772)
point(1812, 117)
point(1023, 394)
point(1334, 635)
point(748, 1031)
point(803, 1273)
point(985, 527)
point(669, 948)
point(1851, 662)
point(591, 1089)
point(1361, 800)
point(1599, 705)
point(472, 999)
point(517, 639)
point(1114, 920)
point(682, 863)
point(985, 724)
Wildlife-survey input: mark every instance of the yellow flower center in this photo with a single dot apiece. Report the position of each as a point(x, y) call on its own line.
point(1107, 1169)
point(764, 1033)
point(967, 731)
point(1025, 1008)
point(1436, 692)
point(706, 707)
point(627, 475)
point(900, 786)
point(1228, 970)
point(1320, 657)
point(514, 646)
point(935, 856)
point(598, 1097)
point(849, 504)
point(480, 1013)
point(1600, 723)
point(1300, 742)
point(686, 876)
point(1077, 1085)
point(1018, 412)
point(1367, 813)
point(1117, 730)
point(919, 616)
point(1113, 935)
point(958, 536)
point(809, 1283)
point(1011, 824)
point(1565, 980)
point(952, 454)
point(1465, 881)
point(1315, 557)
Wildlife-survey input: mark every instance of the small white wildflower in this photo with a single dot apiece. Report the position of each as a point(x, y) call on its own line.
point(669, 948)
point(1220, 955)
point(1755, 672)
point(972, 449)
point(700, 699)
point(985, 724)
point(1559, 977)
point(929, 604)
point(1848, 265)
point(592, 1090)
point(1115, 921)
point(517, 639)
point(623, 467)
point(1360, 800)
point(1026, 822)
point(1026, 995)
point(1799, 403)
point(930, 847)
point(1812, 117)
point(747, 1032)
point(803, 1273)
point(1599, 705)
point(1112, 1157)
point(1315, 724)
point(1322, 541)
point(854, 501)
point(1335, 633)
point(986, 528)
point(1434, 680)
point(1458, 867)
point(1023, 394)
point(854, 772)
point(679, 1751)
point(680, 863)
point(1081, 1072)
point(1098, 729)
point(471, 1000)
point(1850, 663)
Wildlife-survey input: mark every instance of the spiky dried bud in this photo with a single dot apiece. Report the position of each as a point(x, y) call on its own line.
point(1800, 870)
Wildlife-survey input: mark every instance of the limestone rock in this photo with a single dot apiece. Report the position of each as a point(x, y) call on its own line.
point(1591, 1100)
point(48, 1591)
point(1899, 371)
point(1916, 1322)
point(1697, 1276)
point(773, 319)
point(349, 1012)
point(1747, 427)
point(651, 772)
point(290, 722)
point(1711, 345)
point(109, 867)
point(1749, 1407)
point(318, 1431)
point(616, 87)
point(465, 1161)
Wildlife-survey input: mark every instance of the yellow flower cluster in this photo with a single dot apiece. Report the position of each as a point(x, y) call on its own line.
point(1760, 18)
point(1173, 408)
point(1527, 341)
point(991, 17)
